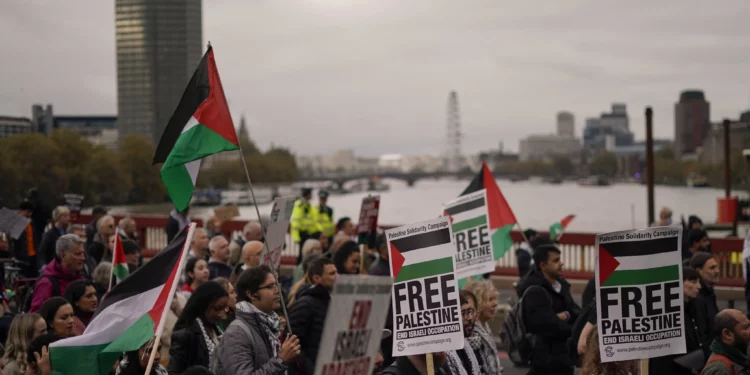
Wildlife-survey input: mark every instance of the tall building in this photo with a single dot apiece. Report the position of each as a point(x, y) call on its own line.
point(159, 44)
point(608, 130)
point(692, 116)
point(566, 124)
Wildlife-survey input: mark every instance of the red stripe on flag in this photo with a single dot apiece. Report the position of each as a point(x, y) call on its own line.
point(119, 256)
point(564, 222)
point(213, 113)
point(161, 302)
point(499, 211)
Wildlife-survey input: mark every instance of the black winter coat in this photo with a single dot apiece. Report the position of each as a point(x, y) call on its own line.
point(307, 318)
point(188, 349)
point(707, 296)
point(46, 252)
point(697, 336)
point(540, 309)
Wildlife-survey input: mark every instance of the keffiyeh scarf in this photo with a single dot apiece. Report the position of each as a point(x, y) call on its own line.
point(483, 342)
point(457, 367)
point(269, 323)
point(210, 344)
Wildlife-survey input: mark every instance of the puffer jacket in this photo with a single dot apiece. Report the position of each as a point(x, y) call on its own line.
point(245, 349)
point(307, 318)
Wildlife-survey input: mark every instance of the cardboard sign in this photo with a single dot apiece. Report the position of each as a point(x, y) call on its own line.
point(639, 294)
point(471, 233)
point(13, 223)
point(226, 213)
point(426, 308)
point(73, 202)
point(276, 231)
point(354, 325)
point(368, 217)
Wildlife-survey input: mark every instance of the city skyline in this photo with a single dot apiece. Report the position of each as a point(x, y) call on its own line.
point(291, 70)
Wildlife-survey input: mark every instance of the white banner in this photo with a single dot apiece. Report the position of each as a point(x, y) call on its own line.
point(276, 231)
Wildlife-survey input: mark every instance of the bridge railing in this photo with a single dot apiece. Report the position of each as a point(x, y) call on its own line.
point(578, 251)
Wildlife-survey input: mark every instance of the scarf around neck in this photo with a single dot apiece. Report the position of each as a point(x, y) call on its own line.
point(482, 341)
point(718, 347)
point(269, 324)
point(457, 367)
point(210, 344)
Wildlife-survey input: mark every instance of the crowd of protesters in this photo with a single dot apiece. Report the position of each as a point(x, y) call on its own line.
point(226, 317)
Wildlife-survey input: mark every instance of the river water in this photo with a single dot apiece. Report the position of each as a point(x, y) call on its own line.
point(536, 205)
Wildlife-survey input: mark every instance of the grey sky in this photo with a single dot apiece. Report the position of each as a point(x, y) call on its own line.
point(374, 75)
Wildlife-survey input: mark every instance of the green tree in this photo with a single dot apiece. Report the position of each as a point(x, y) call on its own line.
point(563, 166)
point(136, 155)
point(109, 182)
point(604, 164)
point(666, 152)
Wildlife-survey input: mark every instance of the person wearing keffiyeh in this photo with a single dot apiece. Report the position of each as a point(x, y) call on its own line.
point(465, 361)
point(251, 344)
point(482, 340)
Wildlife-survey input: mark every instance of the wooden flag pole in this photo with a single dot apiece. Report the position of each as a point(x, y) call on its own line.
point(430, 364)
point(263, 228)
point(173, 287)
point(644, 366)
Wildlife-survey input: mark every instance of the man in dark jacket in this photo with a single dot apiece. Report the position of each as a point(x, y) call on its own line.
point(708, 269)
point(177, 222)
point(549, 312)
point(60, 221)
point(307, 316)
point(25, 247)
point(524, 252)
point(96, 214)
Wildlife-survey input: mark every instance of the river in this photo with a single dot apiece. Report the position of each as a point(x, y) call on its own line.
point(536, 205)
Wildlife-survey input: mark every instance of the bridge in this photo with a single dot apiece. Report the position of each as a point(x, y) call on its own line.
point(340, 178)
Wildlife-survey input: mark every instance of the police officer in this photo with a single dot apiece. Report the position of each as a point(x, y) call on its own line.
point(325, 216)
point(304, 221)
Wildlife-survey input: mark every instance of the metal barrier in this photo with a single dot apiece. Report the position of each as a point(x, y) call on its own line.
point(578, 250)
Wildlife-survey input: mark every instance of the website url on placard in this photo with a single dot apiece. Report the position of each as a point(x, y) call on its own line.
point(422, 343)
point(642, 348)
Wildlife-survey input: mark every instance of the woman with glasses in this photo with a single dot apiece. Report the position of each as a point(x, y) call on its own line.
point(251, 344)
point(197, 332)
point(135, 362)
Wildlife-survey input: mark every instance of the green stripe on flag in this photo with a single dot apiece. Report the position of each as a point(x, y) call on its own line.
point(121, 271)
point(501, 241)
point(555, 229)
point(468, 224)
point(425, 269)
point(179, 185)
point(643, 276)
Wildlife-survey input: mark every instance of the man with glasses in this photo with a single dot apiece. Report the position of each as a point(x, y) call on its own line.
point(307, 316)
point(465, 361)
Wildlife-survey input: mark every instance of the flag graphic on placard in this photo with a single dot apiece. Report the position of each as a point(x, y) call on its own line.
point(501, 217)
point(621, 263)
point(200, 126)
point(413, 257)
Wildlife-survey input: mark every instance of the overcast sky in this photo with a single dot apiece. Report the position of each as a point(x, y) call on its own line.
point(374, 75)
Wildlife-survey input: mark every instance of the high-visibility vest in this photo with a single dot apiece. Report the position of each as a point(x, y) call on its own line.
point(325, 220)
point(303, 219)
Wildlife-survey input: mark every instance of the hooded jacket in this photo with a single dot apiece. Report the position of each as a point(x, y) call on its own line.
point(307, 318)
point(44, 288)
point(241, 354)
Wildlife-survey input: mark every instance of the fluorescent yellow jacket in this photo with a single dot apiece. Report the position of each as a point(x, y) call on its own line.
point(303, 219)
point(325, 220)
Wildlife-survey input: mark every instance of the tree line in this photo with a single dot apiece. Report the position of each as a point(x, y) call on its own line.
point(66, 162)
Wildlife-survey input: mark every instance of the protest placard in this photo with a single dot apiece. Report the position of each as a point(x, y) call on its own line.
point(426, 308)
point(13, 223)
point(354, 325)
point(471, 233)
point(368, 218)
point(639, 294)
point(227, 212)
point(276, 232)
point(73, 202)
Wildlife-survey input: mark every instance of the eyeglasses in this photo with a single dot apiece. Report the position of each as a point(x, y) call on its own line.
point(270, 287)
point(468, 313)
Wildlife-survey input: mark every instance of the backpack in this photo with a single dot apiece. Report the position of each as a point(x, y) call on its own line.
point(30, 292)
point(721, 358)
point(514, 334)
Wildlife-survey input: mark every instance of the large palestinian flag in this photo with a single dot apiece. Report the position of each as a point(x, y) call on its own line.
point(129, 315)
point(421, 255)
point(501, 217)
point(639, 262)
point(200, 126)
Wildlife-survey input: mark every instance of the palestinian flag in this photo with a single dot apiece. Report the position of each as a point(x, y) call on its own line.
point(557, 229)
point(128, 317)
point(421, 255)
point(200, 126)
point(119, 263)
point(639, 262)
point(501, 216)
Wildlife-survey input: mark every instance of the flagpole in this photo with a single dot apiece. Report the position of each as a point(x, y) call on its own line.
point(263, 228)
point(172, 288)
point(112, 271)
